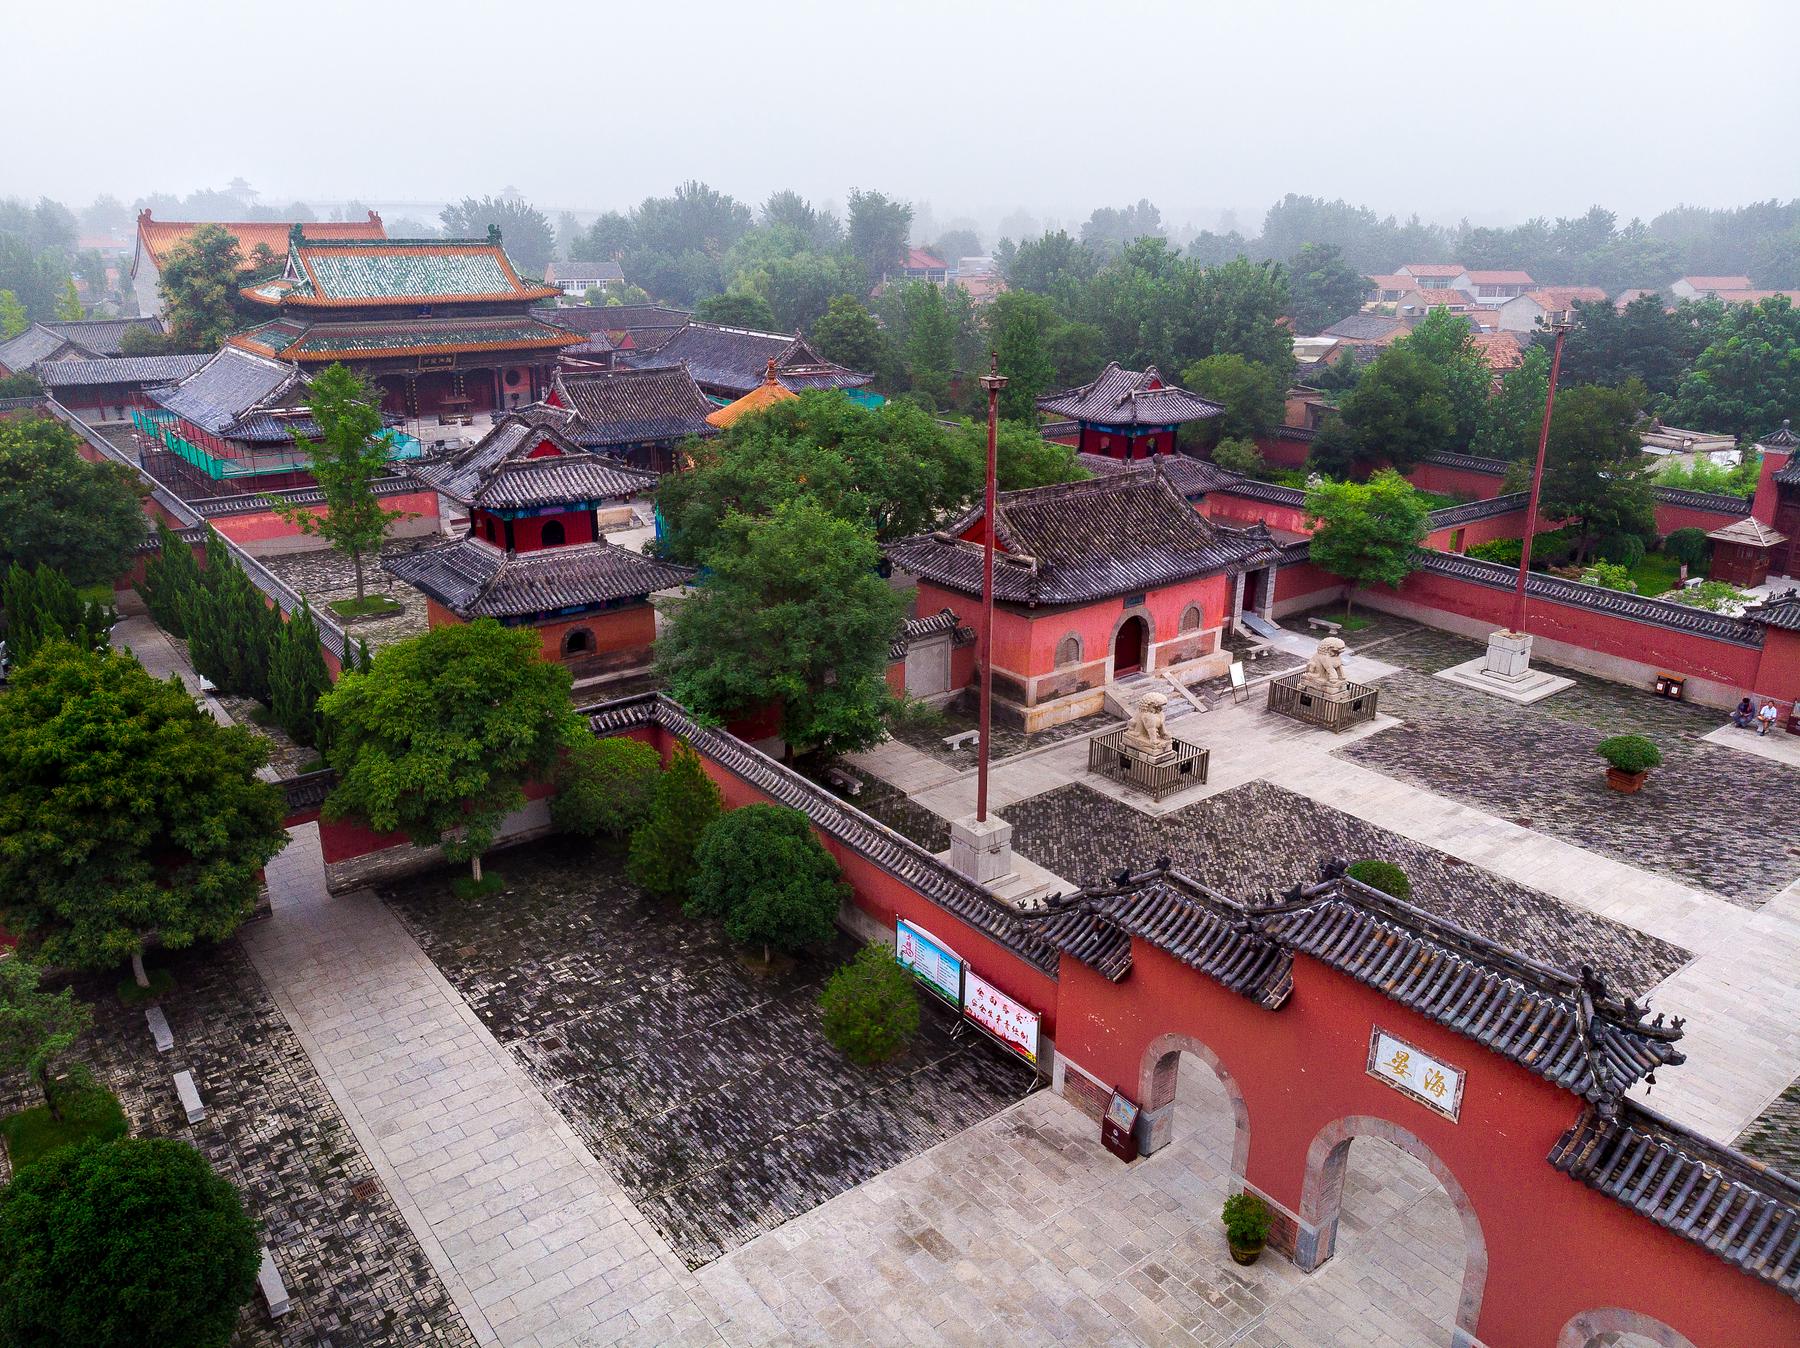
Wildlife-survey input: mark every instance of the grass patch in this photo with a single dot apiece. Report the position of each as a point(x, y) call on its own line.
point(1354, 622)
point(162, 983)
point(369, 606)
point(468, 887)
point(89, 1115)
point(1657, 573)
point(101, 593)
point(1437, 500)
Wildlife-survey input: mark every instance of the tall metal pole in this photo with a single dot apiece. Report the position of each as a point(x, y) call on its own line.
point(993, 381)
point(1537, 483)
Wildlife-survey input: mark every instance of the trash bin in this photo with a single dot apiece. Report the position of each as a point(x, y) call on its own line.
point(1671, 685)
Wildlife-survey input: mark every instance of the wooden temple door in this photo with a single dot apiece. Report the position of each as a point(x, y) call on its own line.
point(1128, 648)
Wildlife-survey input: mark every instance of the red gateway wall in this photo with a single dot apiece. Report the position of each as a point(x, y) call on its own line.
point(1241, 510)
point(261, 525)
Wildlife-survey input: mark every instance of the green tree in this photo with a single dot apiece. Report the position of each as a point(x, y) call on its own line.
point(1645, 340)
point(1020, 325)
point(1445, 340)
point(528, 235)
point(1747, 380)
point(171, 577)
point(59, 510)
point(684, 803)
point(21, 386)
point(736, 311)
point(605, 786)
point(1240, 456)
point(127, 815)
point(762, 870)
point(1323, 287)
point(929, 349)
point(1367, 532)
point(1055, 264)
point(794, 614)
point(877, 232)
point(1022, 457)
point(199, 284)
point(1254, 397)
point(134, 1242)
point(1512, 418)
point(351, 453)
point(13, 318)
point(1595, 472)
point(298, 678)
point(1398, 412)
point(68, 304)
point(849, 335)
point(871, 1010)
point(1238, 309)
point(439, 737)
point(144, 341)
point(231, 630)
point(41, 606)
point(800, 288)
point(38, 1030)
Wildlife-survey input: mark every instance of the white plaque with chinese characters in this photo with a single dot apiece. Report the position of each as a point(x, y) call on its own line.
point(1412, 1071)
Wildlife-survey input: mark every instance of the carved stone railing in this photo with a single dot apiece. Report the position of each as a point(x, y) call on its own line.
point(1110, 756)
point(1336, 712)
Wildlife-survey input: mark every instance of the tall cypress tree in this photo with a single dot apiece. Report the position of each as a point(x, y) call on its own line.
point(297, 676)
point(170, 579)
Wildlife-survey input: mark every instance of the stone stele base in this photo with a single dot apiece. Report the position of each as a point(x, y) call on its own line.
point(981, 849)
point(1505, 671)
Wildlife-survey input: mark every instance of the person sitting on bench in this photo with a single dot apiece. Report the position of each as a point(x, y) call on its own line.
point(1766, 718)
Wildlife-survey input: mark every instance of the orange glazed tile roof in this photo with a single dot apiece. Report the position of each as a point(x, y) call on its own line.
point(765, 395)
point(159, 237)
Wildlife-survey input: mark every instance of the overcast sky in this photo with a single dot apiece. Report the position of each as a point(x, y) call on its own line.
point(1495, 111)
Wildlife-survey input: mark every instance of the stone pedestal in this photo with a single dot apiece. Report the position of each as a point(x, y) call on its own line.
point(981, 849)
point(1505, 671)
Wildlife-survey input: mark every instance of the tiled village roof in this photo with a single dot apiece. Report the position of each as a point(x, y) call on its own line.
point(629, 407)
point(1500, 349)
point(160, 237)
point(1074, 542)
point(1432, 269)
point(118, 370)
point(474, 579)
point(1366, 328)
point(917, 259)
point(734, 360)
point(347, 273)
point(583, 271)
point(765, 395)
point(585, 321)
point(642, 328)
point(1740, 1209)
point(1556, 298)
point(1748, 530)
point(1782, 611)
point(1119, 397)
point(1635, 293)
point(292, 339)
point(497, 474)
point(1391, 282)
point(1718, 282)
point(1500, 278)
point(19, 354)
point(230, 390)
point(81, 339)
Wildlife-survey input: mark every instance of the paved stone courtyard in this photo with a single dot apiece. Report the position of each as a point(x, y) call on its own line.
point(325, 574)
point(1257, 841)
point(708, 1090)
point(1708, 816)
point(354, 1272)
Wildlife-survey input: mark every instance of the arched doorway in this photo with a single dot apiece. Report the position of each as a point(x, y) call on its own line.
point(1129, 645)
point(1611, 1327)
point(1166, 1093)
point(1398, 1216)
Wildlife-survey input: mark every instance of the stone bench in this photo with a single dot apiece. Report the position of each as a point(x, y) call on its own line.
point(1326, 624)
point(159, 1029)
point(1257, 650)
point(274, 1290)
point(848, 783)
point(190, 1096)
point(962, 739)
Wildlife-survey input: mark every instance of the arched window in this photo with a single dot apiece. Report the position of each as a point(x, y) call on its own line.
point(553, 535)
point(1068, 651)
point(577, 642)
point(1191, 618)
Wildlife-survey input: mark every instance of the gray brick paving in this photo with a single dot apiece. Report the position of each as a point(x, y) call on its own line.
point(324, 574)
point(1774, 1135)
point(707, 1089)
point(1258, 840)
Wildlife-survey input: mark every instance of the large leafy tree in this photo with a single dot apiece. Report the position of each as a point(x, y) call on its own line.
point(1111, 228)
point(1021, 325)
point(794, 614)
point(736, 311)
point(1398, 412)
point(127, 815)
point(135, 1242)
point(1747, 380)
point(849, 334)
point(929, 348)
point(525, 232)
point(683, 804)
point(1239, 309)
point(439, 737)
point(1054, 264)
point(879, 226)
point(351, 453)
point(788, 210)
point(1323, 287)
point(59, 510)
point(1254, 397)
point(1446, 340)
point(764, 872)
point(1645, 340)
point(199, 284)
point(677, 244)
point(1512, 417)
point(1595, 471)
point(1367, 532)
point(13, 318)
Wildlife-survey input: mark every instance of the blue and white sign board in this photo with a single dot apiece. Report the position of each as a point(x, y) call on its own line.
point(931, 961)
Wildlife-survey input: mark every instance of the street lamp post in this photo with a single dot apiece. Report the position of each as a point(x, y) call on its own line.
point(993, 381)
point(1537, 482)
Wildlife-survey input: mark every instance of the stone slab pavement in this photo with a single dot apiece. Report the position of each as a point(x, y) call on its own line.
point(160, 658)
point(1779, 746)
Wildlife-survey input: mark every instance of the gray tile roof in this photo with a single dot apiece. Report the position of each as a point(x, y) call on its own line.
point(1364, 328)
point(1717, 1197)
point(497, 474)
point(1478, 510)
point(917, 629)
point(633, 406)
point(474, 579)
point(1702, 500)
point(230, 390)
point(1074, 542)
point(1783, 612)
point(103, 336)
point(732, 361)
point(1473, 463)
point(1119, 397)
point(118, 370)
point(1192, 477)
point(23, 352)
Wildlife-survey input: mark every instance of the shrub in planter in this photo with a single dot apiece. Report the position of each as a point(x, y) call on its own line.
point(763, 870)
point(1382, 875)
point(1628, 758)
point(1246, 1226)
point(870, 1007)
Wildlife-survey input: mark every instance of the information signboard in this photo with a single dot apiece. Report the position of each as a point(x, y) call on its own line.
point(929, 960)
point(1413, 1072)
point(1014, 1025)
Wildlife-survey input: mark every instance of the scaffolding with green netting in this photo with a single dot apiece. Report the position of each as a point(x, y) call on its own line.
point(222, 461)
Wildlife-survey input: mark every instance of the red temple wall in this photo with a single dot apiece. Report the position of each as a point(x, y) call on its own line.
point(616, 629)
point(1509, 525)
point(1471, 483)
point(1778, 673)
point(1669, 518)
point(1768, 491)
point(1280, 452)
point(260, 526)
point(1242, 510)
point(578, 527)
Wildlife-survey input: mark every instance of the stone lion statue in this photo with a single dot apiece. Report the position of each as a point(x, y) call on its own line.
point(1145, 732)
point(1325, 671)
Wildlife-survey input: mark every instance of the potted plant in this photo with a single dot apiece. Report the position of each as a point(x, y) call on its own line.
point(1246, 1226)
point(1629, 759)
